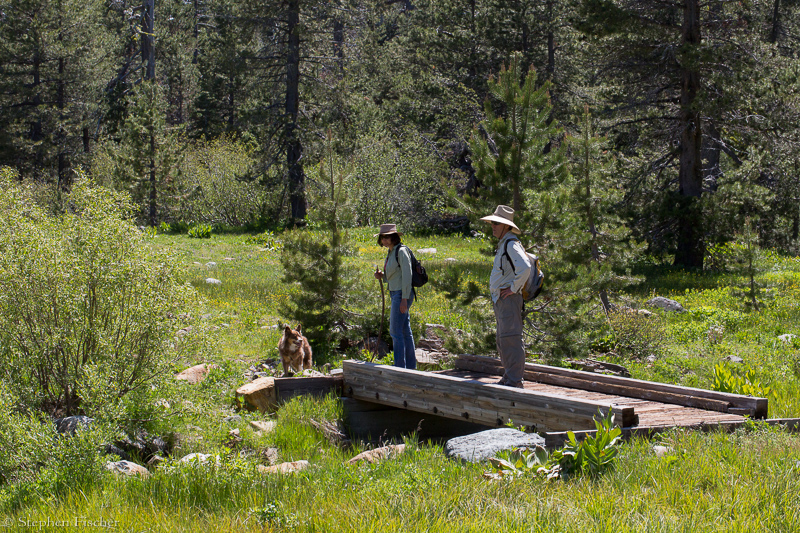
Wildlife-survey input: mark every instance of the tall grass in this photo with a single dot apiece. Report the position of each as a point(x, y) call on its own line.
point(745, 481)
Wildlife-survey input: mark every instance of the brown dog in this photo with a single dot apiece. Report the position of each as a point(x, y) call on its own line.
point(295, 351)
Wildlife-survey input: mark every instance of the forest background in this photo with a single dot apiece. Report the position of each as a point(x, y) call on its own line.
point(630, 136)
point(218, 112)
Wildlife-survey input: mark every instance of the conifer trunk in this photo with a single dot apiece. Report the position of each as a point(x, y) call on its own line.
point(690, 249)
point(294, 148)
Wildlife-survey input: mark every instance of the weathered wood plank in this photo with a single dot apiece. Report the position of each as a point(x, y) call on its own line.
point(558, 438)
point(661, 392)
point(316, 386)
point(470, 400)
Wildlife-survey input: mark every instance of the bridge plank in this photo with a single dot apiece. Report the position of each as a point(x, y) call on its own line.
point(471, 400)
point(660, 392)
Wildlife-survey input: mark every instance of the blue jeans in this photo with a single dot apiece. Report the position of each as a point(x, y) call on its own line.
point(400, 330)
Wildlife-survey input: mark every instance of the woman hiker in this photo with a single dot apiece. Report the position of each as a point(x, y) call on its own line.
point(397, 273)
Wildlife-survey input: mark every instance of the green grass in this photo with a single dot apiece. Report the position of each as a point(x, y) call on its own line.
point(745, 481)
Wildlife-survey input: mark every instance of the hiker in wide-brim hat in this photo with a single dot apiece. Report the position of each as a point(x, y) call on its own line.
point(503, 215)
point(397, 273)
point(510, 271)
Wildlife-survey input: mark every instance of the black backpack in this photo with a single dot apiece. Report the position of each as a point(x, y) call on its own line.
point(535, 281)
point(418, 275)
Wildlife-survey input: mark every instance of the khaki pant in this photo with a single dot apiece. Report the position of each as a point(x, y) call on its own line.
point(508, 313)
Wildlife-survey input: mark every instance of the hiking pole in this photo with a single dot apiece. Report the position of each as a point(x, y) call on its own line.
point(383, 314)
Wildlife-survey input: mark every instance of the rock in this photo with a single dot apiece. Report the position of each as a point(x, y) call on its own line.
point(450, 260)
point(260, 394)
point(787, 338)
point(378, 454)
point(665, 304)
point(662, 451)
point(734, 359)
point(183, 332)
point(284, 468)
point(155, 461)
point(127, 468)
point(110, 449)
point(200, 458)
point(337, 371)
point(213, 281)
point(431, 360)
point(645, 313)
point(263, 426)
point(230, 259)
point(68, 425)
point(234, 418)
point(195, 374)
point(270, 455)
point(211, 264)
point(481, 446)
point(426, 251)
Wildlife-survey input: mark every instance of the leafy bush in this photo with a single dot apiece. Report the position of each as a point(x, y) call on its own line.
point(88, 311)
point(636, 335)
point(593, 456)
point(739, 381)
point(393, 179)
point(267, 239)
point(200, 231)
point(37, 462)
point(219, 185)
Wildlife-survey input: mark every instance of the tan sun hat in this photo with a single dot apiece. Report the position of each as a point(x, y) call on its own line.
point(387, 229)
point(504, 215)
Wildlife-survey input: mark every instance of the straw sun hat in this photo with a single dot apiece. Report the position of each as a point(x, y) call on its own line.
point(504, 215)
point(387, 229)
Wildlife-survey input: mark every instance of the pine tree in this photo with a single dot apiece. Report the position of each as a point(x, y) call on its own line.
point(316, 262)
point(598, 245)
point(515, 154)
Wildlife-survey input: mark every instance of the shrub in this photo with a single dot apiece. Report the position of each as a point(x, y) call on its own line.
point(635, 335)
point(200, 231)
point(219, 185)
point(88, 310)
point(37, 462)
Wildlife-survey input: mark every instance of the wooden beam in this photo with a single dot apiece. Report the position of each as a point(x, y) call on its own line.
point(556, 439)
point(469, 400)
point(316, 386)
point(633, 388)
point(375, 422)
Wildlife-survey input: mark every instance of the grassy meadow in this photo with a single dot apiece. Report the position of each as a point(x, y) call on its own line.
point(748, 480)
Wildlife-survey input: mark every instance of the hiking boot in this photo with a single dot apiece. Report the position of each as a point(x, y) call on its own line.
point(517, 385)
point(502, 381)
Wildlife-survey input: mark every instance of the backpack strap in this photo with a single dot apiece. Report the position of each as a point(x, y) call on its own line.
point(505, 253)
point(397, 260)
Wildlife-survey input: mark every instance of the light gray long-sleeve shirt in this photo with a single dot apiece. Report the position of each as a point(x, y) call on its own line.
point(503, 274)
point(398, 277)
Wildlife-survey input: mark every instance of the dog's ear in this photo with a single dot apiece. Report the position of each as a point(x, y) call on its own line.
point(299, 326)
point(287, 330)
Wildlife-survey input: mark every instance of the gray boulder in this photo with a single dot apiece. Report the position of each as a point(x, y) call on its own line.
point(665, 304)
point(68, 425)
point(482, 446)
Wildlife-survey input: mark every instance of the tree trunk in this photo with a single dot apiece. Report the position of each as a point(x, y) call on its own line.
point(148, 39)
point(776, 22)
point(294, 148)
point(690, 249)
point(148, 56)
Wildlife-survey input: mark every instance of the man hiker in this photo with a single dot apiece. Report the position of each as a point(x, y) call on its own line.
point(509, 274)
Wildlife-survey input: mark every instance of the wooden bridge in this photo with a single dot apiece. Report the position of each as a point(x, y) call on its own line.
point(554, 400)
